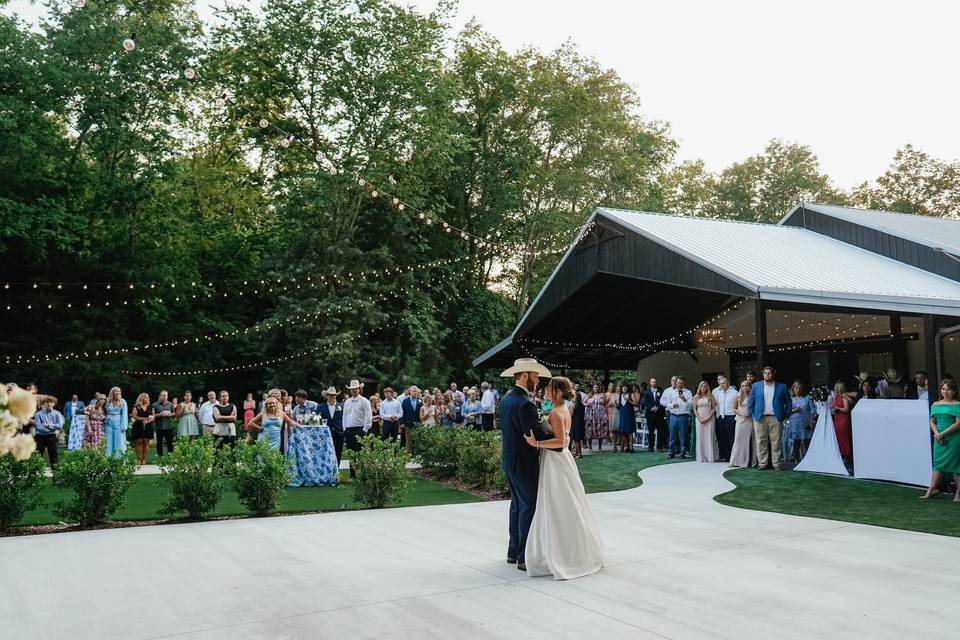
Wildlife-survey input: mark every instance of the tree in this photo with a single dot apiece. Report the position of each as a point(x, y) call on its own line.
point(914, 183)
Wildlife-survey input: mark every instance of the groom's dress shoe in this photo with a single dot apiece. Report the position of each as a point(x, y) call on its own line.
point(522, 566)
point(511, 561)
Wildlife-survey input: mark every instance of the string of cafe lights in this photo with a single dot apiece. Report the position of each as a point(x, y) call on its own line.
point(268, 285)
point(261, 363)
point(205, 339)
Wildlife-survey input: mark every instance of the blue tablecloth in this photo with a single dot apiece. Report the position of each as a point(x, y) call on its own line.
point(311, 457)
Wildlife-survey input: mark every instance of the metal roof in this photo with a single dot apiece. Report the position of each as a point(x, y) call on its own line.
point(795, 265)
point(938, 233)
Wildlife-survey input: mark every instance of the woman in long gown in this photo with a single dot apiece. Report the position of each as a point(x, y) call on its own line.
point(705, 414)
point(744, 453)
point(270, 422)
point(187, 426)
point(93, 430)
point(628, 417)
point(597, 418)
point(840, 408)
point(564, 540)
point(944, 424)
point(578, 426)
point(115, 423)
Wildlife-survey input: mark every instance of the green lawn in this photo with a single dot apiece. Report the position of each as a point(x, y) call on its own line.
point(145, 497)
point(617, 471)
point(846, 499)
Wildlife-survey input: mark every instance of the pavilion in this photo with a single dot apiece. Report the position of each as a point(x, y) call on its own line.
point(825, 293)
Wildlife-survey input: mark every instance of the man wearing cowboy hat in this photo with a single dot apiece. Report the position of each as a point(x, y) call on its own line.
point(521, 462)
point(890, 386)
point(332, 412)
point(357, 419)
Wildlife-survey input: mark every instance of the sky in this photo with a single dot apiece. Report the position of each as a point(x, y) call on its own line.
point(854, 80)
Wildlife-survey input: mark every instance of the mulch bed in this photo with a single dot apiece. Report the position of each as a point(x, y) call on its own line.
point(455, 483)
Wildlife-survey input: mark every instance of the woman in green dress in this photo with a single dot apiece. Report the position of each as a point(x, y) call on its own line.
point(945, 425)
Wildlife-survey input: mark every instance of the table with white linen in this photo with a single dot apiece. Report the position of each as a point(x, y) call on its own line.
point(891, 440)
point(311, 456)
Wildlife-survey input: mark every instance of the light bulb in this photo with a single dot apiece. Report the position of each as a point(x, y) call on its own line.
point(263, 123)
point(189, 73)
point(129, 44)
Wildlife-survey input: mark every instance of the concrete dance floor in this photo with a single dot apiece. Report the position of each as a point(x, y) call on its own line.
point(678, 566)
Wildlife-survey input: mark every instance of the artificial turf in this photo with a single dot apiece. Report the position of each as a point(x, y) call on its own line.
point(845, 499)
point(610, 471)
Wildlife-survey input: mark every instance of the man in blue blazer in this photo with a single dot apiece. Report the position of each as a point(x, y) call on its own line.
point(332, 412)
point(521, 462)
point(769, 405)
point(411, 416)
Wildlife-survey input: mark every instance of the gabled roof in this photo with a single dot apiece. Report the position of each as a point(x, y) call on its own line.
point(936, 233)
point(796, 265)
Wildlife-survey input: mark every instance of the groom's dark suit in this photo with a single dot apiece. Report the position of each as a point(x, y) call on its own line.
point(521, 464)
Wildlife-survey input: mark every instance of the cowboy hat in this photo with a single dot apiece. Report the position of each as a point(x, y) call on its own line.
point(354, 384)
point(891, 375)
point(521, 365)
point(332, 391)
point(862, 377)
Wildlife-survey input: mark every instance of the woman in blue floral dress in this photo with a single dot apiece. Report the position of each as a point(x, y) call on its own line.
point(799, 424)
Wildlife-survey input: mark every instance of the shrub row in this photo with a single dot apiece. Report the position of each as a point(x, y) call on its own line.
point(474, 457)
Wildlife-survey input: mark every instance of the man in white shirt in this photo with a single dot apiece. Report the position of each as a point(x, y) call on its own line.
point(390, 413)
point(357, 419)
point(488, 405)
point(677, 401)
point(205, 414)
point(726, 397)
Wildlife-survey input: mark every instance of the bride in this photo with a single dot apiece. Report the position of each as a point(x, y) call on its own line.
point(564, 540)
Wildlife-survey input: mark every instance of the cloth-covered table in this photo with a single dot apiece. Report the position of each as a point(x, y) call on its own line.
point(311, 457)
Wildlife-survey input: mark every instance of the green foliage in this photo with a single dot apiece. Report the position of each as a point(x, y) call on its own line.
point(437, 447)
point(381, 473)
point(194, 473)
point(99, 482)
point(914, 183)
point(260, 477)
point(480, 460)
point(21, 484)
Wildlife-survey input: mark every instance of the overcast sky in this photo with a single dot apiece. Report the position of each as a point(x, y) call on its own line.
point(853, 79)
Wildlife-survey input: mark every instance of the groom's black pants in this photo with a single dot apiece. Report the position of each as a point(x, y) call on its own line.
point(523, 502)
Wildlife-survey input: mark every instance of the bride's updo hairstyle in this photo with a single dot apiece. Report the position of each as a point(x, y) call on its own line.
point(563, 385)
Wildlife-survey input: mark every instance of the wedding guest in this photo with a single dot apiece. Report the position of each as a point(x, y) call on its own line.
point(840, 410)
point(743, 453)
point(726, 398)
point(332, 412)
point(705, 413)
point(48, 423)
point(76, 421)
point(471, 410)
point(205, 414)
point(629, 403)
point(428, 411)
point(187, 426)
point(440, 409)
point(225, 417)
point(142, 428)
point(391, 412)
point(302, 406)
point(611, 400)
point(286, 402)
point(769, 407)
point(751, 377)
point(163, 425)
point(621, 398)
point(866, 391)
point(799, 426)
point(375, 411)
point(890, 387)
point(677, 402)
point(578, 425)
point(596, 418)
point(656, 421)
point(488, 405)
point(93, 429)
point(357, 420)
point(271, 422)
point(411, 415)
point(455, 407)
point(249, 410)
point(944, 422)
point(917, 390)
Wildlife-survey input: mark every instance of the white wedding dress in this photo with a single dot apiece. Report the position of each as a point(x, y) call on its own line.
point(564, 540)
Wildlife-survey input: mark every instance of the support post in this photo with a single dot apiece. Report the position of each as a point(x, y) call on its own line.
point(760, 317)
point(606, 378)
point(899, 346)
point(930, 363)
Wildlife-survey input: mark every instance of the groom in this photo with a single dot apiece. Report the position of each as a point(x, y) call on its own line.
point(521, 462)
